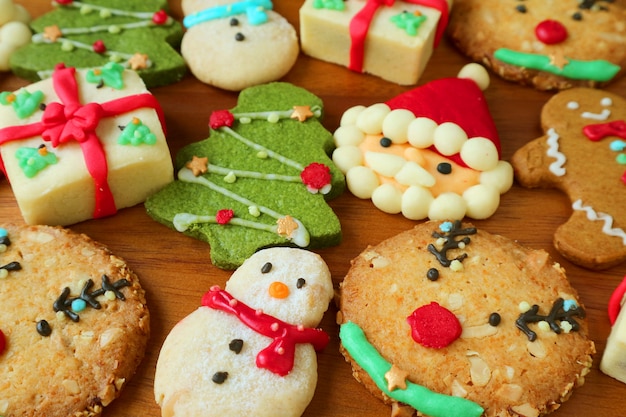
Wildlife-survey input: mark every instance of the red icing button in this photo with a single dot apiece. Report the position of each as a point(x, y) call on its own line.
point(551, 32)
point(434, 326)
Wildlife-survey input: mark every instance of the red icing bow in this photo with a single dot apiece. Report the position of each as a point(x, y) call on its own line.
point(70, 120)
point(278, 357)
point(599, 131)
point(360, 23)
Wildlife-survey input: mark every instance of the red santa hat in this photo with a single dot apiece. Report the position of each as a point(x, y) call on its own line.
point(458, 100)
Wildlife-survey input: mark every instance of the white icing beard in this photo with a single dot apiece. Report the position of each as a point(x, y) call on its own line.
point(403, 177)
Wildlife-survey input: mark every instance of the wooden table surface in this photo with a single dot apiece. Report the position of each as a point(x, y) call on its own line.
point(175, 270)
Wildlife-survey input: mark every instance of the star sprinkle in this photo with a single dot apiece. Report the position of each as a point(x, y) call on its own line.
point(396, 378)
point(138, 61)
point(558, 60)
point(52, 33)
point(198, 166)
point(301, 113)
point(286, 226)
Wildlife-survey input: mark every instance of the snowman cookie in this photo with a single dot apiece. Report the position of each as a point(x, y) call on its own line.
point(14, 30)
point(432, 152)
point(249, 350)
point(549, 45)
point(446, 316)
point(582, 154)
point(234, 44)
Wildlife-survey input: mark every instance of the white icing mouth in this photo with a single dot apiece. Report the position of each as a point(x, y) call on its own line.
point(597, 116)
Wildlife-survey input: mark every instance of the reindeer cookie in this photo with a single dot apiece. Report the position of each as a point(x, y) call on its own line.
point(249, 350)
point(446, 316)
point(234, 44)
point(549, 45)
point(582, 154)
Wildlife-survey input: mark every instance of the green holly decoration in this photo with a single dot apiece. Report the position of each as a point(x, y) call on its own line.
point(33, 160)
point(329, 4)
point(410, 22)
point(111, 74)
point(136, 133)
point(24, 103)
point(91, 33)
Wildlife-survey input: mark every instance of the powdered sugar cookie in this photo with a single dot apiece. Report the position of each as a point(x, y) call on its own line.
point(446, 316)
point(250, 349)
point(582, 154)
point(549, 45)
point(14, 30)
point(432, 152)
point(237, 44)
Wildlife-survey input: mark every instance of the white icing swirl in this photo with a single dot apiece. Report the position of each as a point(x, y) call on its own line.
point(592, 215)
point(556, 167)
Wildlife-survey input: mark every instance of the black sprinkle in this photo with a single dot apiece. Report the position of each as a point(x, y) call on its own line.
point(266, 268)
point(219, 377)
point(444, 168)
point(120, 127)
point(236, 345)
point(385, 142)
point(12, 266)
point(577, 16)
point(432, 274)
point(42, 106)
point(494, 319)
point(300, 283)
point(100, 84)
point(234, 21)
point(239, 37)
point(43, 328)
point(521, 8)
point(4, 240)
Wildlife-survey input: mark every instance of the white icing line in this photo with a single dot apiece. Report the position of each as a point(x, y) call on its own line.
point(597, 116)
point(553, 151)
point(592, 215)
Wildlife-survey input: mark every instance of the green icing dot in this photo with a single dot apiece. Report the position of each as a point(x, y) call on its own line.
point(24, 103)
point(32, 161)
point(621, 159)
point(329, 4)
point(410, 22)
point(136, 133)
point(111, 74)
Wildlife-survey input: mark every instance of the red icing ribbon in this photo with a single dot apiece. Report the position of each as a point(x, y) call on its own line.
point(598, 131)
point(615, 302)
point(278, 357)
point(360, 23)
point(69, 120)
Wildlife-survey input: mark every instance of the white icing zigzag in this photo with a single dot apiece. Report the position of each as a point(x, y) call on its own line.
point(606, 218)
point(553, 150)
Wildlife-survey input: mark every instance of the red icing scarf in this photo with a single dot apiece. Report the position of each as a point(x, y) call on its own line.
point(360, 23)
point(278, 357)
point(69, 121)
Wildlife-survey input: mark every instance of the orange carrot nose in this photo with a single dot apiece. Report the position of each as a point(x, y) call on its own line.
point(278, 290)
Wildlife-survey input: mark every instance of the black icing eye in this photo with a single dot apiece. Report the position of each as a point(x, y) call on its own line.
point(236, 345)
point(267, 267)
point(300, 283)
point(444, 168)
point(385, 142)
point(234, 21)
point(494, 319)
point(432, 274)
point(219, 377)
point(239, 37)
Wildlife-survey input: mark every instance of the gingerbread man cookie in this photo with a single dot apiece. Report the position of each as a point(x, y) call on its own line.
point(234, 44)
point(549, 45)
point(582, 154)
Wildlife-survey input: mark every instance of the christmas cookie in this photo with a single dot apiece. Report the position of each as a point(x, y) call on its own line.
point(14, 30)
point(432, 152)
point(548, 45)
point(137, 34)
point(73, 323)
point(249, 349)
point(235, 44)
point(449, 317)
point(614, 357)
point(262, 179)
point(82, 144)
point(391, 40)
point(582, 154)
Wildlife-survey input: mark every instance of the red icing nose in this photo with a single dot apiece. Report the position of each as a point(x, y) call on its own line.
point(551, 32)
point(434, 326)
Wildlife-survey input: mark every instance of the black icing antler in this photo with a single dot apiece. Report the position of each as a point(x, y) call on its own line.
point(11, 266)
point(557, 314)
point(450, 242)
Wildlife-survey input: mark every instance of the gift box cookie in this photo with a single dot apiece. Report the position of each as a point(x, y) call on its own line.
point(82, 145)
point(390, 39)
point(88, 34)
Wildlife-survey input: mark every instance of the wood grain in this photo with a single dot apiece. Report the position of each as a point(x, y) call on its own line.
point(175, 270)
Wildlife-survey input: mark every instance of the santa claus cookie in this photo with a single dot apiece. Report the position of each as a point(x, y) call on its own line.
point(234, 44)
point(549, 45)
point(432, 152)
point(74, 324)
point(449, 317)
point(250, 349)
point(614, 357)
point(14, 30)
point(582, 154)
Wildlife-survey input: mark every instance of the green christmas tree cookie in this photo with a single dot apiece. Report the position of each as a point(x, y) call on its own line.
point(137, 34)
point(262, 178)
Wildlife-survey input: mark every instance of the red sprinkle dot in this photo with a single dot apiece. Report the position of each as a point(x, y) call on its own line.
point(434, 326)
point(99, 47)
point(224, 216)
point(160, 17)
point(221, 118)
point(551, 32)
